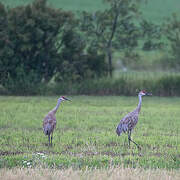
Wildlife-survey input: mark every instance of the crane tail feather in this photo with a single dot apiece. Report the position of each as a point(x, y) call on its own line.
point(121, 128)
point(47, 129)
point(118, 131)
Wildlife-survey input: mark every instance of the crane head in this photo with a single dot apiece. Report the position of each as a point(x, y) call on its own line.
point(63, 98)
point(144, 93)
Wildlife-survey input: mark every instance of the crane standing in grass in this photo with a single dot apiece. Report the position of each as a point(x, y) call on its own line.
point(130, 120)
point(49, 122)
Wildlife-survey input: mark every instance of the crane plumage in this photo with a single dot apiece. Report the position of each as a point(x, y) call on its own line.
point(128, 123)
point(49, 122)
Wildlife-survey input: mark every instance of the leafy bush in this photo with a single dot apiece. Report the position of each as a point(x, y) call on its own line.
point(37, 43)
point(151, 34)
point(29, 51)
point(78, 64)
point(172, 31)
point(112, 29)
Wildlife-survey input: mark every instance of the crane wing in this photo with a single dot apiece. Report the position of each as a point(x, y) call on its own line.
point(49, 124)
point(127, 123)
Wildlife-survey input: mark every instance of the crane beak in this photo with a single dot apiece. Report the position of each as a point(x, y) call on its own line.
point(67, 99)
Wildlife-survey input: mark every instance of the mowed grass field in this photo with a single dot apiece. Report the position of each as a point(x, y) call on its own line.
point(85, 134)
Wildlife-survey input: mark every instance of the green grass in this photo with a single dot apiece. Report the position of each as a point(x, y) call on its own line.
point(85, 133)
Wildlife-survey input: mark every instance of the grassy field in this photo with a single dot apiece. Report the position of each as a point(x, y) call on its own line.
point(85, 134)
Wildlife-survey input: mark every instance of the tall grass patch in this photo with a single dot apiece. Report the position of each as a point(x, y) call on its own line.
point(124, 83)
point(127, 83)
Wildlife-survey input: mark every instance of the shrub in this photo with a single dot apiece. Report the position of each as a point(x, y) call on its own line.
point(78, 64)
point(172, 32)
point(29, 51)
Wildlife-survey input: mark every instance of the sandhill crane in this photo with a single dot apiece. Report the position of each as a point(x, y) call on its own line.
point(130, 120)
point(49, 122)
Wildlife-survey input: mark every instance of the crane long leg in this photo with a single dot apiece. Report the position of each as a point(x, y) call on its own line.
point(49, 138)
point(129, 139)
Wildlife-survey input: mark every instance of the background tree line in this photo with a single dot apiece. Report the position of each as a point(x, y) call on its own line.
point(39, 43)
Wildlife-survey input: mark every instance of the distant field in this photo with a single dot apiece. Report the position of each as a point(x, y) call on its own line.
point(155, 10)
point(159, 10)
point(77, 5)
point(85, 134)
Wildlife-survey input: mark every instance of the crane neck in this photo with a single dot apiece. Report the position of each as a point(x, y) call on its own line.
point(57, 106)
point(139, 104)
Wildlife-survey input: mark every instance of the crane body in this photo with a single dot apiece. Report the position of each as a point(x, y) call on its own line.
point(128, 123)
point(49, 122)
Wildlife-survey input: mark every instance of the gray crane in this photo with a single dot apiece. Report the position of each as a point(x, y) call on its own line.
point(128, 123)
point(49, 122)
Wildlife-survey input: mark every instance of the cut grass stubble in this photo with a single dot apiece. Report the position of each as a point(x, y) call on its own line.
point(96, 174)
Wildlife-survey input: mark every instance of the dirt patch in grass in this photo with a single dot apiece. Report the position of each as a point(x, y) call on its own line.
point(145, 134)
point(5, 127)
point(111, 144)
point(157, 154)
point(105, 153)
point(91, 153)
point(88, 153)
point(9, 153)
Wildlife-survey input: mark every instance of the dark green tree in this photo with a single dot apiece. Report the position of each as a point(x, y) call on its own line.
point(6, 51)
point(113, 28)
point(79, 63)
point(151, 35)
point(172, 32)
point(29, 48)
